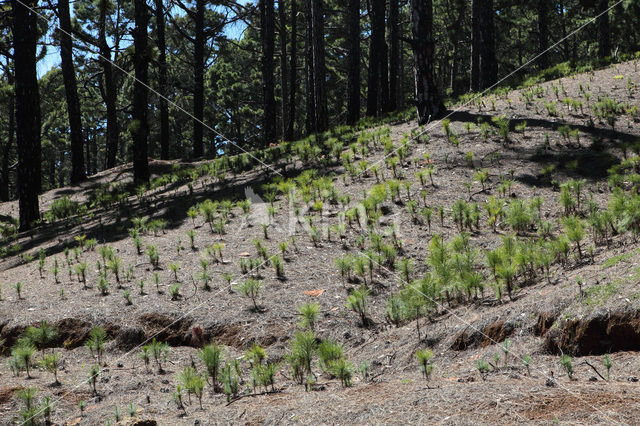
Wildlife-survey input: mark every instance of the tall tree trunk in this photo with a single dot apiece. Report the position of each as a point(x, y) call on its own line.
point(604, 32)
point(284, 75)
point(140, 125)
point(543, 32)
point(94, 155)
point(310, 81)
point(25, 34)
point(198, 78)
point(566, 49)
point(87, 148)
point(162, 79)
point(293, 73)
point(267, 36)
point(61, 171)
point(319, 69)
point(428, 102)
point(6, 149)
point(454, 67)
point(488, 64)
point(353, 61)
point(377, 55)
point(475, 46)
point(71, 92)
point(394, 53)
point(110, 90)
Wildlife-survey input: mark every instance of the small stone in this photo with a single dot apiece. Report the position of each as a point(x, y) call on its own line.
point(165, 381)
point(632, 379)
point(120, 365)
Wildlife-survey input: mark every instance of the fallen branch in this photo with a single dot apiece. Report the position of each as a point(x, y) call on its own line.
point(594, 369)
point(253, 394)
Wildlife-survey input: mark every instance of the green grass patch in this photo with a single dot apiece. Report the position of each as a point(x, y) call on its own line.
point(624, 257)
point(599, 294)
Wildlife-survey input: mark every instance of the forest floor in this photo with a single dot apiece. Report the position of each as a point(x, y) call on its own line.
point(459, 334)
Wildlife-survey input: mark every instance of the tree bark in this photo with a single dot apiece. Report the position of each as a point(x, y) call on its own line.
point(267, 36)
point(394, 54)
point(475, 46)
point(140, 125)
point(25, 34)
point(543, 32)
point(162, 79)
point(87, 147)
point(353, 61)
point(110, 90)
point(293, 73)
point(604, 32)
point(488, 64)
point(198, 78)
point(6, 150)
point(284, 76)
point(377, 96)
point(71, 93)
point(319, 68)
point(428, 102)
point(310, 81)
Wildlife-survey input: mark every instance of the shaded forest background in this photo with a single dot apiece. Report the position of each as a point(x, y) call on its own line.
point(213, 60)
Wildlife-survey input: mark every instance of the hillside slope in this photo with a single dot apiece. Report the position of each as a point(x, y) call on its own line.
point(527, 209)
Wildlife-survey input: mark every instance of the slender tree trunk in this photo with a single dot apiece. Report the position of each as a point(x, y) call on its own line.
point(293, 73)
point(94, 154)
point(87, 148)
point(384, 70)
point(309, 63)
point(376, 96)
point(394, 54)
point(6, 150)
point(543, 32)
point(110, 90)
point(319, 69)
point(162, 79)
point(454, 67)
point(563, 19)
point(284, 76)
point(198, 78)
point(267, 35)
point(71, 92)
point(353, 61)
point(428, 102)
point(604, 32)
point(488, 64)
point(140, 125)
point(61, 172)
point(402, 82)
point(25, 33)
point(475, 46)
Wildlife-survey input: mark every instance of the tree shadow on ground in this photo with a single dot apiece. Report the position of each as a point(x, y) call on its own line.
point(590, 162)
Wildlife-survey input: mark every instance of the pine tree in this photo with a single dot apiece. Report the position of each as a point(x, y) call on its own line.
point(427, 99)
point(71, 92)
point(140, 125)
point(25, 35)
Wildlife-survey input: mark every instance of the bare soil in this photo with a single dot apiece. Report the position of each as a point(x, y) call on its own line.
point(535, 321)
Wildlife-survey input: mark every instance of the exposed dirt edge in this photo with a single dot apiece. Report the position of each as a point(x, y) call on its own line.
point(599, 333)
